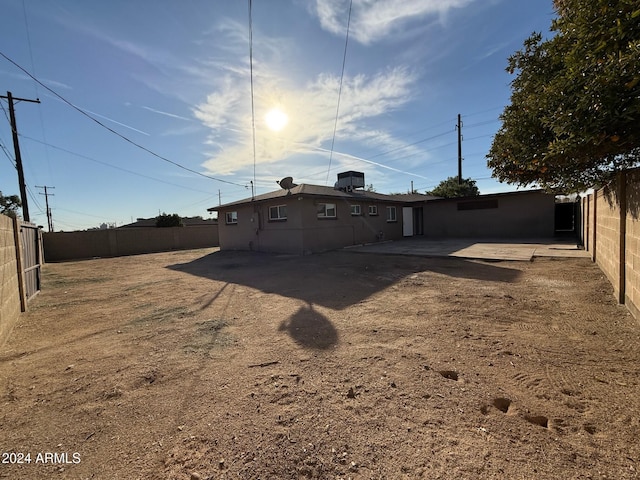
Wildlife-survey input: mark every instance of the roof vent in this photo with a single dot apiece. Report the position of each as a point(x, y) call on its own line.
point(349, 181)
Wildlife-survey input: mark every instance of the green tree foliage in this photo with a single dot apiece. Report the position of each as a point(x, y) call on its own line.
point(165, 220)
point(450, 188)
point(575, 102)
point(9, 205)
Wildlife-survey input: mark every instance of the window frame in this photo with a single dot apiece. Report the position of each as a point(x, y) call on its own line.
point(279, 217)
point(323, 215)
point(231, 218)
point(393, 209)
point(373, 210)
point(358, 209)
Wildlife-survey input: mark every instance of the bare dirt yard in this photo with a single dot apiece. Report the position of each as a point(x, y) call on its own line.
point(209, 365)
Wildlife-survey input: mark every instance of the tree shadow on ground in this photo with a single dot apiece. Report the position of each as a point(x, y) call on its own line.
point(310, 329)
point(335, 279)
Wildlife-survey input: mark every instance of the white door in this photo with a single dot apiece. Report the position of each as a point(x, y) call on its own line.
point(407, 221)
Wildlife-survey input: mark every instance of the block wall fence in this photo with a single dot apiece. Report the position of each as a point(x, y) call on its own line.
point(10, 301)
point(611, 234)
point(115, 242)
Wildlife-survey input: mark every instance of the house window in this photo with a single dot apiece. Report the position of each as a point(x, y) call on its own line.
point(392, 214)
point(231, 218)
point(278, 213)
point(373, 210)
point(356, 210)
point(326, 210)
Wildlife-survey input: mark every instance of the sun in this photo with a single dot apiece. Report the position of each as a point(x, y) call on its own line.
point(276, 119)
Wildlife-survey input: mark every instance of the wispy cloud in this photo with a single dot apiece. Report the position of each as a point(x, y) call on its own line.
point(373, 20)
point(52, 83)
point(167, 114)
point(302, 148)
point(311, 109)
point(115, 121)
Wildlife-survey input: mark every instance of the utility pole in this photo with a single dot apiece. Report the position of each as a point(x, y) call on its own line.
point(46, 197)
point(459, 150)
point(16, 147)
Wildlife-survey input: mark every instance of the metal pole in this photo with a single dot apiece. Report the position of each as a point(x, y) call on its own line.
point(459, 150)
point(16, 148)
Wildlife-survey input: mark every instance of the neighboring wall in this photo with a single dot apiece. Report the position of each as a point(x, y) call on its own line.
point(9, 280)
point(508, 215)
point(126, 241)
point(611, 233)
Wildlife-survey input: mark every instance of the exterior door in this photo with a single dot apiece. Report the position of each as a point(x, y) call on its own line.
point(407, 221)
point(418, 221)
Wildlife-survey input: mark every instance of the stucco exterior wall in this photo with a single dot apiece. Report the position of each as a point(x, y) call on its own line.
point(10, 292)
point(254, 230)
point(517, 215)
point(303, 232)
point(321, 234)
point(115, 242)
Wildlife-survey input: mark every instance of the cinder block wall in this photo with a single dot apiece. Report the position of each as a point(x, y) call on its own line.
point(608, 238)
point(632, 243)
point(59, 246)
point(10, 293)
point(611, 233)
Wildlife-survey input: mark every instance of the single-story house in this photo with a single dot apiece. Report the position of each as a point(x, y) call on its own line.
point(521, 214)
point(313, 218)
point(305, 218)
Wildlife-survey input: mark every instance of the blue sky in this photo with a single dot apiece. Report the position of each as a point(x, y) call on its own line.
point(174, 78)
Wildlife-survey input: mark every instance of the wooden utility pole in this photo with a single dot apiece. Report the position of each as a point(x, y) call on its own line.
point(16, 147)
point(46, 198)
point(459, 150)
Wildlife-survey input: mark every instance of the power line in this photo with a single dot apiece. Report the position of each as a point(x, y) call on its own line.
point(344, 61)
point(35, 199)
point(412, 144)
point(47, 195)
point(253, 112)
point(55, 147)
point(118, 134)
point(33, 69)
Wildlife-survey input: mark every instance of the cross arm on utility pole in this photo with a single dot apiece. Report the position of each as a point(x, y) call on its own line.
point(16, 147)
point(47, 195)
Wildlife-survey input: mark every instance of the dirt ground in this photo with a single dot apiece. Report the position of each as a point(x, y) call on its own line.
point(210, 365)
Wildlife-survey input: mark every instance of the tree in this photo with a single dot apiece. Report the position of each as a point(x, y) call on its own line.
point(9, 205)
point(575, 102)
point(450, 188)
point(165, 220)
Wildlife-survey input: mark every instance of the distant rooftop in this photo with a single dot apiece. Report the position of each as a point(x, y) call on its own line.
point(186, 221)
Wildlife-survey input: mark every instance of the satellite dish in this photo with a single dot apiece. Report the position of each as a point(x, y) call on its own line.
point(287, 183)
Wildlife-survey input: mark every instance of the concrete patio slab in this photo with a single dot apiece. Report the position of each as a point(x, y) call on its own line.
point(481, 249)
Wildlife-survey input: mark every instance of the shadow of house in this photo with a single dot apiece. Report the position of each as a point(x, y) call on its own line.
point(312, 279)
point(334, 280)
